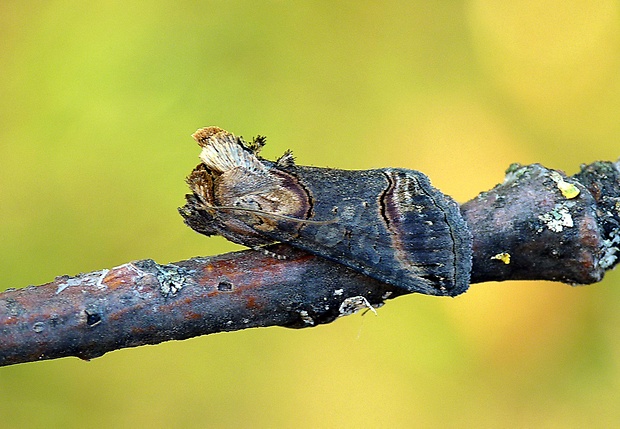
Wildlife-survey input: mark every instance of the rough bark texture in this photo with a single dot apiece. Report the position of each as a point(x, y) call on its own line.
point(146, 303)
point(538, 224)
point(551, 226)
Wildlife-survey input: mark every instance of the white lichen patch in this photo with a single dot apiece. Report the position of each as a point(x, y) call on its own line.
point(305, 317)
point(131, 267)
point(557, 219)
point(612, 247)
point(91, 279)
point(103, 275)
point(387, 295)
point(354, 304)
point(170, 279)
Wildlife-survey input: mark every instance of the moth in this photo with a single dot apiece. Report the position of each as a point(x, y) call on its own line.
point(389, 223)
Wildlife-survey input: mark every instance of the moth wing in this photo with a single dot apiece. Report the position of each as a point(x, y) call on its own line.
point(389, 224)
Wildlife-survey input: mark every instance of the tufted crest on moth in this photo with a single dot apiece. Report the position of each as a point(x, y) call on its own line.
point(286, 160)
point(223, 151)
point(256, 144)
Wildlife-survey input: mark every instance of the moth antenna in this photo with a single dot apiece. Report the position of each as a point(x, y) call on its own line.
point(273, 215)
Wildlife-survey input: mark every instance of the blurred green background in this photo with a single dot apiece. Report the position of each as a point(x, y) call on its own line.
point(97, 104)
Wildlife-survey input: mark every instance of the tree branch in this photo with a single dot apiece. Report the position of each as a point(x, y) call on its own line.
point(537, 225)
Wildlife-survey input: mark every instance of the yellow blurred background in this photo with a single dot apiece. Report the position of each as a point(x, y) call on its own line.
point(97, 104)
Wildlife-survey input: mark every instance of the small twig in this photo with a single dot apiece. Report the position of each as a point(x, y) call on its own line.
point(146, 303)
point(538, 224)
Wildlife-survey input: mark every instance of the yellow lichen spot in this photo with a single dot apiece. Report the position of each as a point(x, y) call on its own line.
point(504, 257)
point(569, 190)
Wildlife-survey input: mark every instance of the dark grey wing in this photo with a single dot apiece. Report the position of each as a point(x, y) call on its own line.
point(389, 224)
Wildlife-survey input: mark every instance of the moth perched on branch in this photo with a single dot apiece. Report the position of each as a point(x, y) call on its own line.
point(389, 224)
point(371, 236)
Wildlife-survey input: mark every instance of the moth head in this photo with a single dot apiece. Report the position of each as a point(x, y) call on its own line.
point(239, 194)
